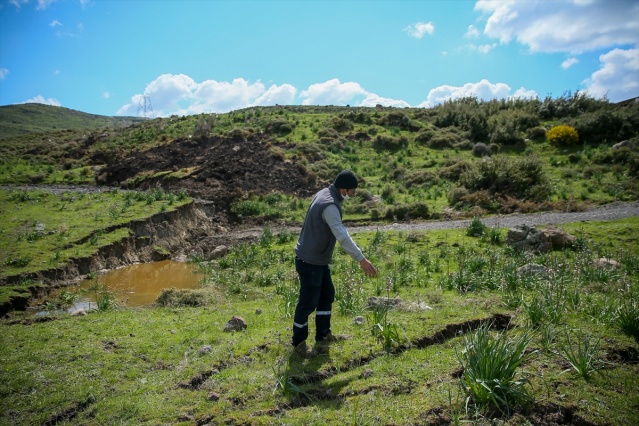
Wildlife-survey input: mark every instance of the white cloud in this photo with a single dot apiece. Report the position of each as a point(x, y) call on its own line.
point(55, 23)
point(41, 100)
point(179, 94)
point(523, 93)
point(483, 90)
point(372, 100)
point(106, 95)
point(618, 77)
point(276, 95)
point(562, 26)
point(472, 32)
point(332, 92)
point(419, 29)
point(44, 4)
point(3, 73)
point(569, 63)
point(18, 3)
point(482, 48)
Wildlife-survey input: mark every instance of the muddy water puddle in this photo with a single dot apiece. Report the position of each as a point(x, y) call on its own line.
point(140, 284)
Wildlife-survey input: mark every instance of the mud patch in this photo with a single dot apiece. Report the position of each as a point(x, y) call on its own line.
point(629, 355)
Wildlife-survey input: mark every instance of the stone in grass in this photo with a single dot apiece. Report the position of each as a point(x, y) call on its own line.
point(533, 270)
point(236, 323)
point(605, 263)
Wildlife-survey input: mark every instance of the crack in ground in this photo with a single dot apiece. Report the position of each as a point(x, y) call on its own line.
point(197, 381)
point(496, 321)
point(71, 412)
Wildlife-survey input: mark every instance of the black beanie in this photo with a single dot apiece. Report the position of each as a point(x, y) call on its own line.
point(346, 180)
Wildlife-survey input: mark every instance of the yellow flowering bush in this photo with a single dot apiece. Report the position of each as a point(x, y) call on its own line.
point(563, 135)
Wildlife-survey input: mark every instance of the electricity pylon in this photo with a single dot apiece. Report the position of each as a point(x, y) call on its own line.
point(145, 110)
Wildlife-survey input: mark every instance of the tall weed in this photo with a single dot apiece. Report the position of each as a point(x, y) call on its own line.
point(491, 369)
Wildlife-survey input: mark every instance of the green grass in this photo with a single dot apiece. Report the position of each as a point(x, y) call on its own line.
point(176, 365)
point(41, 230)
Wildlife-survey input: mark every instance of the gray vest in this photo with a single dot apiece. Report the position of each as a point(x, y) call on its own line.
point(316, 241)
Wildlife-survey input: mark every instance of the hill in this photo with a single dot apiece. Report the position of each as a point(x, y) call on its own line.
point(16, 120)
point(262, 163)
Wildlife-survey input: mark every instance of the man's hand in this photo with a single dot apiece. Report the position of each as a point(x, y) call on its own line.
point(368, 268)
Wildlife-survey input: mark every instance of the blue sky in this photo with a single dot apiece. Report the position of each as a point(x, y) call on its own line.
point(195, 56)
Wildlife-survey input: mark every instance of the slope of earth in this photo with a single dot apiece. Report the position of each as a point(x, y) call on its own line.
point(215, 169)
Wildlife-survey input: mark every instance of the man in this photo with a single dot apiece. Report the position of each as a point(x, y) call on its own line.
point(314, 250)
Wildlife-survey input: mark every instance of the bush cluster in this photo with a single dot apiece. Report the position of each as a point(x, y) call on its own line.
point(563, 135)
point(500, 176)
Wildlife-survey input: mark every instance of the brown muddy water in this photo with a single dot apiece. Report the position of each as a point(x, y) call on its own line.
point(139, 284)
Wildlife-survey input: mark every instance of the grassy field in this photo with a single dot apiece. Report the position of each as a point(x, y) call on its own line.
point(472, 339)
point(567, 343)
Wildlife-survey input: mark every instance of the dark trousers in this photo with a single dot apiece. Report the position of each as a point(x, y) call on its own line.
point(317, 293)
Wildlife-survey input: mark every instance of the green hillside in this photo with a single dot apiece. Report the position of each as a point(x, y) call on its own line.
point(24, 119)
point(476, 157)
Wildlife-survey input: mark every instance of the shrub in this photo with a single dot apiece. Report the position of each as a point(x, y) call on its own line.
point(325, 132)
point(425, 135)
point(501, 176)
point(490, 367)
point(421, 177)
point(390, 142)
point(476, 228)
point(537, 133)
point(203, 127)
point(341, 125)
point(563, 135)
point(506, 135)
point(171, 297)
point(407, 211)
point(454, 171)
point(279, 127)
point(239, 135)
point(481, 150)
point(398, 119)
point(627, 317)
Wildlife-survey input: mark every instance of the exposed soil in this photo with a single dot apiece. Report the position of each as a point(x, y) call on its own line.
point(219, 170)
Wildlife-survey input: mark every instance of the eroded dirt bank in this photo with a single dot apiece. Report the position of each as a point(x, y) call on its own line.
point(159, 237)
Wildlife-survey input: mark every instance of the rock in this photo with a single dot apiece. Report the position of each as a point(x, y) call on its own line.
point(625, 144)
point(236, 324)
point(218, 252)
point(181, 258)
point(213, 396)
point(559, 239)
point(358, 320)
point(533, 270)
point(258, 311)
point(374, 302)
point(607, 263)
point(528, 238)
point(205, 349)
point(78, 312)
point(366, 373)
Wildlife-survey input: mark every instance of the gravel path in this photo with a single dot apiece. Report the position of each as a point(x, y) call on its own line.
point(613, 211)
